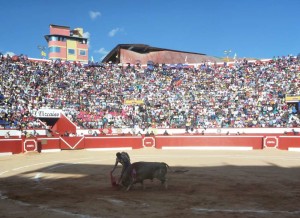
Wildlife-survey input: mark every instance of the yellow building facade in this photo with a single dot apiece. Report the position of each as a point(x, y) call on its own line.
point(66, 44)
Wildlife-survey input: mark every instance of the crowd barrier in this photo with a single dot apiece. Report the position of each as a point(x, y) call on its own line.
point(210, 142)
point(116, 142)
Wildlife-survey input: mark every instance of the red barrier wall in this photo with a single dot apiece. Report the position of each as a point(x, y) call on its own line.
point(256, 142)
point(48, 144)
point(286, 142)
point(71, 143)
point(63, 125)
point(133, 142)
point(17, 145)
point(13, 146)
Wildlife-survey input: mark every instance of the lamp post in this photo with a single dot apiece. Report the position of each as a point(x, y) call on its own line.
point(227, 52)
point(42, 51)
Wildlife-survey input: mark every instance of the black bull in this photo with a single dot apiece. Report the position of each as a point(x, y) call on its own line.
point(139, 171)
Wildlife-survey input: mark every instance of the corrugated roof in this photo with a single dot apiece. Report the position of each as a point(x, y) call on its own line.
point(130, 53)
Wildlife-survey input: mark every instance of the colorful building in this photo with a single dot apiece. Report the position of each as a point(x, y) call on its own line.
point(66, 44)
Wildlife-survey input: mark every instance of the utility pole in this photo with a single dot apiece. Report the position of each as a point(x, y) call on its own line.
point(42, 51)
point(227, 52)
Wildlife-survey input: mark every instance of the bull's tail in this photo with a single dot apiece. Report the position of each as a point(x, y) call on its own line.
point(174, 171)
point(180, 171)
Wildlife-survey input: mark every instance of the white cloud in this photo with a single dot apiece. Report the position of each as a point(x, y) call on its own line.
point(114, 31)
point(101, 51)
point(94, 14)
point(88, 36)
point(10, 53)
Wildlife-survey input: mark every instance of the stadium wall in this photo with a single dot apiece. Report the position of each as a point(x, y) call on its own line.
point(119, 142)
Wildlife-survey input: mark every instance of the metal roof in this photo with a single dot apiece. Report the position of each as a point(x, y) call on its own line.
point(146, 50)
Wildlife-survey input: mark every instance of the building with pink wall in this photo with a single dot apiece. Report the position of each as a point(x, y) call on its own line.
point(66, 44)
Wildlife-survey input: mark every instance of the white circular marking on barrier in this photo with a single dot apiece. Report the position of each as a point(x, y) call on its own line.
point(34, 145)
point(271, 141)
point(148, 140)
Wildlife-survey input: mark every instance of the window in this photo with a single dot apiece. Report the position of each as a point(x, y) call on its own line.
point(53, 38)
point(71, 51)
point(61, 39)
point(54, 49)
point(82, 52)
point(82, 41)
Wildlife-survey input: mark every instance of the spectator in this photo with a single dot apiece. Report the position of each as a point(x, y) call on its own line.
point(246, 94)
point(7, 135)
point(165, 132)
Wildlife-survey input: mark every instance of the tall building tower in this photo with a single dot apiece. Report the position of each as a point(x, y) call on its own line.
point(66, 44)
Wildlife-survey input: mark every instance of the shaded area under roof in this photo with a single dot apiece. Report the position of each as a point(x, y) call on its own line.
point(141, 53)
point(47, 37)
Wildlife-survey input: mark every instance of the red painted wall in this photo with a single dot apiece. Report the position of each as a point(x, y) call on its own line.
point(63, 124)
point(71, 143)
point(181, 141)
point(48, 143)
point(286, 142)
point(11, 145)
point(15, 145)
point(59, 30)
point(113, 142)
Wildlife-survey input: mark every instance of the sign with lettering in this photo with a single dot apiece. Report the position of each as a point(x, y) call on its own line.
point(48, 113)
point(292, 98)
point(134, 101)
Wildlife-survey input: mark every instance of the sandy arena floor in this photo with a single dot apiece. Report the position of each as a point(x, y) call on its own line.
point(218, 184)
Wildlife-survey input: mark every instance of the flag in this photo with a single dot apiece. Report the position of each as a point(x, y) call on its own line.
point(234, 57)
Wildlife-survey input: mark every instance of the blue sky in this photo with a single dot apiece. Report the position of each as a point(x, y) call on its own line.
point(249, 28)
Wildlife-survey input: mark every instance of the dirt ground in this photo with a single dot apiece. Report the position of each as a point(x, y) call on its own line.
point(264, 183)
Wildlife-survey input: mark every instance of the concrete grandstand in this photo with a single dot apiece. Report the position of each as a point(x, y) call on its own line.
point(237, 99)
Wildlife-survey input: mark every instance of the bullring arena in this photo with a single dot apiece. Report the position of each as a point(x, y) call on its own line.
point(232, 141)
point(219, 182)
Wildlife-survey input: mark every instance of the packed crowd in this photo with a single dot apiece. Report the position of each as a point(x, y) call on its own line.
point(244, 94)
